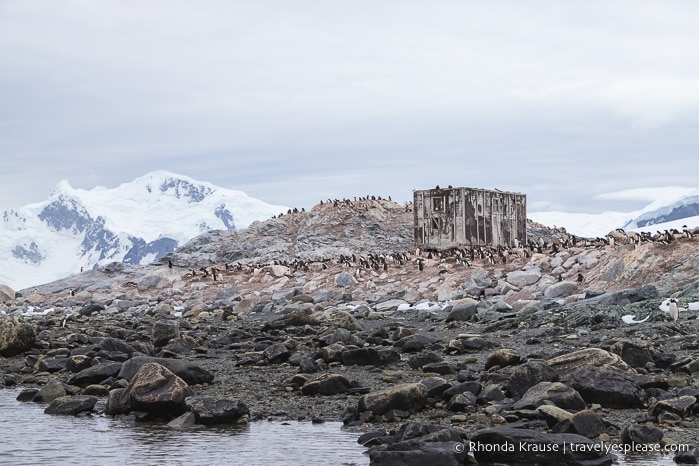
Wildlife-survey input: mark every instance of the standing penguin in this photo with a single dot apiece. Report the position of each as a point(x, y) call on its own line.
point(673, 310)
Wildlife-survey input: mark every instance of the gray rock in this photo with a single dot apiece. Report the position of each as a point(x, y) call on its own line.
point(527, 375)
point(682, 406)
point(468, 345)
point(92, 308)
point(503, 358)
point(118, 402)
point(462, 312)
point(345, 279)
point(640, 434)
point(49, 392)
point(632, 353)
point(522, 278)
point(189, 372)
point(461, 402)
point(389, 305)
point(687, 457)
point(414, 343)
point(16, 336)
point(344, 319)
point(95, 374)
point(210, 411)
point(276, 353)
point(570, 362)
point(624, 297)
point(587, 423)
point(71, 405)
point(156, 390)
point(407, 397)
point(442, 368)
point(323, 296)
point(553, 415)
point(370, 357)
point(418, 452)
point(556, 393)
point(480, 277)
point(561, 290)
point(7, 294)
point(164, 331)
point(416, 361)
point(491, 392)
point(436, 386)
point(472, 387)
point(51, 364)
point(608, 386)
point(326, 384)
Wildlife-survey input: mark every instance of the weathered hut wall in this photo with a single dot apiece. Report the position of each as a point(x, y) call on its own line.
point(453, 217)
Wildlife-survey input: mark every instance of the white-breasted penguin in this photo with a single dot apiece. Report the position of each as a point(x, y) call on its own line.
point(673, 310)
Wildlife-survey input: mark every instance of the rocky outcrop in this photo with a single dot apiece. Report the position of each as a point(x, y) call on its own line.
point(71, 405)
point(16, 336)
point(607, 386)
point(208, 410)
point(187, 371)
point(405, 397)
point(153, 389)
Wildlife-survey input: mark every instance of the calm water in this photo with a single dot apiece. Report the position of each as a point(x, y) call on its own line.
point(30, 437)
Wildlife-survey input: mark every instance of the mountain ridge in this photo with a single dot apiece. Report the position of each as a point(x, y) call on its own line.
point(136, 222)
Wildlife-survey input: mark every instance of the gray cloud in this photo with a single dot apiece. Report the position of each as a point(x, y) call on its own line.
point(293, 102)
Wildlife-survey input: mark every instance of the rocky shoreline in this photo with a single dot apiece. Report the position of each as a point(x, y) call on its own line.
point(517, 362)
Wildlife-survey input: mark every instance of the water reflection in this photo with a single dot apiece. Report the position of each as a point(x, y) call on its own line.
point(32, 437)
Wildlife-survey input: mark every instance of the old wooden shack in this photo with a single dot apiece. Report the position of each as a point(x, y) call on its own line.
point(453, 217)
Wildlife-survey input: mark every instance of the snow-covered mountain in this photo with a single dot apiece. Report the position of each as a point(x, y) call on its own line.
point(662, 214)
point(136, 222)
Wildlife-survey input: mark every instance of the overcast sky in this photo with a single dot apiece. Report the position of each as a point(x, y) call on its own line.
point(576, 104)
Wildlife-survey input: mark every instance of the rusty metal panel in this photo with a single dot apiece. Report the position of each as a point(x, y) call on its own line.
point(454, 217)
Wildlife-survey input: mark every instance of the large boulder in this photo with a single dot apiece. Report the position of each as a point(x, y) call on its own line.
point(209, 410)
point(526, 375)
point(95, 374)
point(71, 405)
point(16, 336)
point(345, 279)
point(608, 386)
point(189, 372)
point(49, 392)
point(326, 384)
point(561, 290)
point(633, 353)
point(502, 357)
point(156, 390)
point(406, 397)
point(158, 278)
point(567, 363)
point(463, 310)
point(556, 393)
point(522, 278)
point(163, 332)
point(6, 294)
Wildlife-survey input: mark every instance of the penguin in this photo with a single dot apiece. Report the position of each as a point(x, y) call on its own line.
point(673, 310)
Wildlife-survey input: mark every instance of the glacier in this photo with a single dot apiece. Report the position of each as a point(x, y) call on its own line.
point(137, 222)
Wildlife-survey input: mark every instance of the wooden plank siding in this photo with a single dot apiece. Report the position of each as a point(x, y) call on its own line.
point(453, 217)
